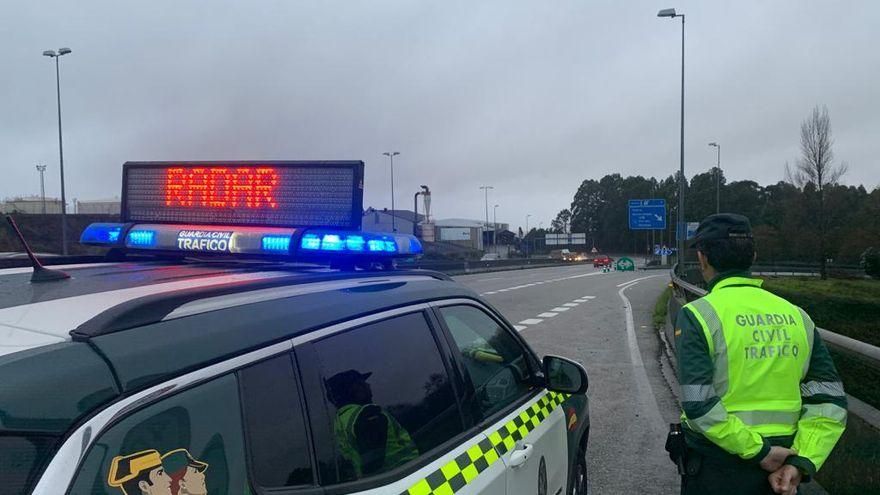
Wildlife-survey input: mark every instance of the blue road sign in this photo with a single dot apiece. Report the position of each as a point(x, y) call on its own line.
point(647, 214)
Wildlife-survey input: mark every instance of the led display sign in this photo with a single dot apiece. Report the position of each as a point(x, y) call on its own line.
point(278, 194)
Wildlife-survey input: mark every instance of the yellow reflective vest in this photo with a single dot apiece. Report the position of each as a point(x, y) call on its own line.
point(754, 372)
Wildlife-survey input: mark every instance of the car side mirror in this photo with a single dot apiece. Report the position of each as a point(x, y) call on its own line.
point(564, 375)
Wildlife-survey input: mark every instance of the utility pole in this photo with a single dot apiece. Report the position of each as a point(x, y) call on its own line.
point(486, 190)
point(42, 170)
point(391, 155)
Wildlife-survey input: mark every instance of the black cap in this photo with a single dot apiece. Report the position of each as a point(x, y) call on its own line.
point(341, 381)
point(722, 226)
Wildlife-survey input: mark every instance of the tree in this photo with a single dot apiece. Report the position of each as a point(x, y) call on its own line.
point(816, 167)
point(560, 224)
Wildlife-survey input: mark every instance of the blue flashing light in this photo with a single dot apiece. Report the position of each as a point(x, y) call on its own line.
point(390, 246)
point(101, 233)
point(276, 243)
point(141, 238)
point(355, 243)
point(376, 245)
point(415, 247)
point(332, 242)
point(310, 242)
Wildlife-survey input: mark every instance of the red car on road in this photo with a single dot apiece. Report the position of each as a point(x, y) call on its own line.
point(602, 260)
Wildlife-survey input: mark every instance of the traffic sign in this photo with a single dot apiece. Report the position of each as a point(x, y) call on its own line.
point(647, 214)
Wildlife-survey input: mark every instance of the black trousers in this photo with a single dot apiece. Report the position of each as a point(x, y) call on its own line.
point(713, 476)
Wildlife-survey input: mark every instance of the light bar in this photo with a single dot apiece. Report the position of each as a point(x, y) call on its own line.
point(271, 194)
point(360, 243)
point(296, 244)
point(101, 234)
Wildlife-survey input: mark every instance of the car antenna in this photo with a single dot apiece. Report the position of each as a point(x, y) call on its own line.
point(41, 273)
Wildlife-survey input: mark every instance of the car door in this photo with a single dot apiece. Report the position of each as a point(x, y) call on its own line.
point(385, 412)
point(521, 419)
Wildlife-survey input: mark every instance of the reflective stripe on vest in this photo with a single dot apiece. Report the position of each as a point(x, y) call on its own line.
point(771, 340)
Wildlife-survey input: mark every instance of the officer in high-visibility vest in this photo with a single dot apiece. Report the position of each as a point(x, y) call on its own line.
point(368, 436)
point(763, 404)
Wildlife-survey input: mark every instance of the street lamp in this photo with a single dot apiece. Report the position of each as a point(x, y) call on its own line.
point(42, 170)
point(56, 55)
point(681, 231)
point(495, 219)
point(391, 155)
point(486, 190)
point(717, 178)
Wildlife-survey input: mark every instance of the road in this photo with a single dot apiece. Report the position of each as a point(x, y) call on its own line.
point(581, 313)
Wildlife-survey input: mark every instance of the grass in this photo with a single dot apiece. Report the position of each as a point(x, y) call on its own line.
point(660, 308)
point(847, 307)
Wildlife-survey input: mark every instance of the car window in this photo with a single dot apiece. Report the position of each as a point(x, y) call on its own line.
point(188, 443)
point(496, 363)
point(389, 394)
point(20, 461)
point(278, 445)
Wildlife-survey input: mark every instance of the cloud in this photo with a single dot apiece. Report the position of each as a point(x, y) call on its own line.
point(529, 97)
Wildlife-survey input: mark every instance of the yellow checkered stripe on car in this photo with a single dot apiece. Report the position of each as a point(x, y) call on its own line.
point(457, 473)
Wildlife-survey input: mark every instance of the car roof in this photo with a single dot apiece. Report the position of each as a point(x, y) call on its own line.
point(114, 328)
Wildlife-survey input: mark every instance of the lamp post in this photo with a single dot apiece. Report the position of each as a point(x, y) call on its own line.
point(527, 234)
point(56, 55)
point(486, 190)
point(495, 221)
point(681, 231)
point(42, 170)
point(717, 178)
point(391, 155)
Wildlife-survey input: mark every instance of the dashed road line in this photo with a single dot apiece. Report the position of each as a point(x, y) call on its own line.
point(571, 305)
point(560, 309)
point(548, 315)
point(519, 328)
point(531, 321)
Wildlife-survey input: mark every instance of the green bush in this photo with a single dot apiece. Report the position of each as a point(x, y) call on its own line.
point(870, 262)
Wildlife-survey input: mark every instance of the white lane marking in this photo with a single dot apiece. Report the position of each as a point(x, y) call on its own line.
point(560, 309)
point(548, 315)
point(488, 279)
point(580, 300)
point(531, 321)
point(519, 328)
point(488, 293)
point(570, 305)
point(589, 297)
point(646, 393)
point(504, 290)
point(637, 280)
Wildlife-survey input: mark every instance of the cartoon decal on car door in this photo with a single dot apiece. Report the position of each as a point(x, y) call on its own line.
point(147, 472)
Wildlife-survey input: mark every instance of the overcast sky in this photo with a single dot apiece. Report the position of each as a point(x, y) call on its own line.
point(529, 97)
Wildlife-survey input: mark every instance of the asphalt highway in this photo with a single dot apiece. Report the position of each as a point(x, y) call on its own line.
point(602, 320)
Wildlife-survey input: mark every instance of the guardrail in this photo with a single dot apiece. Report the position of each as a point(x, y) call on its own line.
point(461, 267)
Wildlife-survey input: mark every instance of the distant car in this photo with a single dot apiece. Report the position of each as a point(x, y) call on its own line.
point(491, 257)
point(561, 254)
point(602, 260)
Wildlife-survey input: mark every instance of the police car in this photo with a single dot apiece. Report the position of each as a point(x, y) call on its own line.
point(243, 336)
